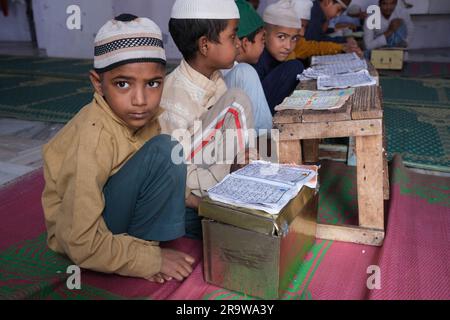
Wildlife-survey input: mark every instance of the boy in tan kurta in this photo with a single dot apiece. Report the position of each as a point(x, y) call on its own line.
point(196, 99)
point(112, 191)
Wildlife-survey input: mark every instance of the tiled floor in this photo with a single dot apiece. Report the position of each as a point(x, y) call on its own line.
point(21, 145)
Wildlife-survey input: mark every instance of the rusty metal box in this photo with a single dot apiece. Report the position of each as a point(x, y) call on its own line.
point(254, 252)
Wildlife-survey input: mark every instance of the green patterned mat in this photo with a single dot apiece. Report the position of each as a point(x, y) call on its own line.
point(417, 120)
point(417, 111)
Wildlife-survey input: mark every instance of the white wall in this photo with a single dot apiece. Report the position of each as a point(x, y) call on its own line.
point(52, 34)
point(15, 26)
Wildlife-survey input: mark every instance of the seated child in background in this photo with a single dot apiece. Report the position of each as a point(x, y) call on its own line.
point(396, 27)
point(111, 190)
point(308, 48)
point(351, 19)
point(195, 93)
point(252, 36)
point(321, 14)
point(278, 76)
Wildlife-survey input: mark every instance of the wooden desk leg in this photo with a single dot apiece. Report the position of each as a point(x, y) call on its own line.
point(311, 150)
point(369, 169)
point(290, 151)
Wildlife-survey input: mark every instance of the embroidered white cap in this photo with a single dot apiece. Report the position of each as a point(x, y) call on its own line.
point(205, 9)
point(303, 8)
point(282, 13)
point(128, 39)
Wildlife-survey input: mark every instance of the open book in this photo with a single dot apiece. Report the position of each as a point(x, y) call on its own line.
point(315, 100)
point(263, 186)
point(340, 81)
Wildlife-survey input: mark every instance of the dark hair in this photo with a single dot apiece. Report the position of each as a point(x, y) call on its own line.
point(251, 37)
point(186, 32)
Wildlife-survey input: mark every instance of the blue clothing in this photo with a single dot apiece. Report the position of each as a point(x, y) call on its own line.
point(279, 79)
point(314, 31)
point(244, 76)
point(398, 38)
point(146, 197)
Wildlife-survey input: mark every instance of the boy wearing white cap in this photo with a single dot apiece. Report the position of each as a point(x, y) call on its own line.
point(278, 76)
point(308, 48)
point(195, 97)
point(111, 190)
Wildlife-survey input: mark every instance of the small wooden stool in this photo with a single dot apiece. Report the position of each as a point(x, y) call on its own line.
point(361, 117)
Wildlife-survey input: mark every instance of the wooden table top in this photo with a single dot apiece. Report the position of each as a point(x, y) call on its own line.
point(365, 103)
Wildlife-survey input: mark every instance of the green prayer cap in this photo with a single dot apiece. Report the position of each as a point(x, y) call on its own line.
point(250, 20)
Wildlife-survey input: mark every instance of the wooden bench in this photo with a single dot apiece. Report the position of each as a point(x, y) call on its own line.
point(361, 117)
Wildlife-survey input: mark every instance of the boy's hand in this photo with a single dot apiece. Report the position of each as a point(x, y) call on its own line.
point(192, 201)
point(160, 278)
point(395, 24)
point(175, 264)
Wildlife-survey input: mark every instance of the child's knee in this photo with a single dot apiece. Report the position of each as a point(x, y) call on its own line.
point(168, 148)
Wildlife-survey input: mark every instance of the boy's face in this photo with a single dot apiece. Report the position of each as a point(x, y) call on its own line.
point(133, 91)
point(387, 7)
point(251, 51)
point(222, 55)
point(331, 9)
point(281, 41)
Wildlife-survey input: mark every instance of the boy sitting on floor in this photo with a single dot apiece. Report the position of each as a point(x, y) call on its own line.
point(308, 48)
point(111, 190)
point(279, 77)
point(196, 99)
point(321, 14)
point(252, 36)
point(396, 27)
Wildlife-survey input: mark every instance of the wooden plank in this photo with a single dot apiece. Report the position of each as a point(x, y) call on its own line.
point(288, 116)
point(369, 176)
point(290, 151)
point(386, 186)
point(336, 152)
point(346, 233)
point(341, 114)
point(351, 156)
point(300, 131)
point(310, 150)
point(386, 192)
point(366, 103)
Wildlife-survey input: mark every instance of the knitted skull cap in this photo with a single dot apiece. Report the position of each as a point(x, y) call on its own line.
point(128, 39)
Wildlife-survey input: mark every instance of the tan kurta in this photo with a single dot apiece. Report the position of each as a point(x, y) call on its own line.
point(78, 162)
point(187, 96)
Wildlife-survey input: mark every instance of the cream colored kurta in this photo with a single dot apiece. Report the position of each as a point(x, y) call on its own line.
point(78, 162)
point(187, 96)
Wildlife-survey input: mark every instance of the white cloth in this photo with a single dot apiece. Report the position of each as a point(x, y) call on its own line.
point(282, 13)
point(205, 9)
point(303, 9)
point(375, 38)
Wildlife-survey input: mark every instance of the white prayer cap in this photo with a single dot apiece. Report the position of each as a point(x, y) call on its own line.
point(205, 9)
point(303, 9)
point(128, 39)
point(283, 14)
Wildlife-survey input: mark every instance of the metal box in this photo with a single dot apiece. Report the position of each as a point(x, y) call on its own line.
point(254, 252)
point(387, 59)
